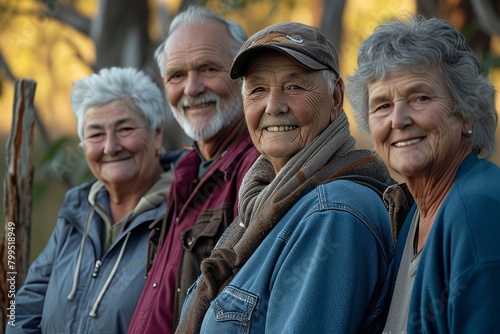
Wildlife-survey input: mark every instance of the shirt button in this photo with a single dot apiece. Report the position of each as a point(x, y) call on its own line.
point(154, 285)
point(178, 290)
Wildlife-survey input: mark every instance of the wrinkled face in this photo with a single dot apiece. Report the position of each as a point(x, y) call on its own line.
point(286, 105)
point(203, 97)
point(118, 145)
point(412, 122)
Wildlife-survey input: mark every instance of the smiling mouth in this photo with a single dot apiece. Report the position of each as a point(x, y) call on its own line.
point(408, 142)
point(116, 159)
point(281, 128)
point(199, 106)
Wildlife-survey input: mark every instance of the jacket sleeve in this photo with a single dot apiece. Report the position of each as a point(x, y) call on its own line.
point(329, 278)
point(472, 291)
point(30, 298)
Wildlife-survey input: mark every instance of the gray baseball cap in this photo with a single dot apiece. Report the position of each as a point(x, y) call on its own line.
point(304, 43)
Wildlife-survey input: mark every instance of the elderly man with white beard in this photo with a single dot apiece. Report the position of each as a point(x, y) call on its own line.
point(194, 62)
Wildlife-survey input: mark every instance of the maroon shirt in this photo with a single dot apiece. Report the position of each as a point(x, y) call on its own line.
point(200, 210)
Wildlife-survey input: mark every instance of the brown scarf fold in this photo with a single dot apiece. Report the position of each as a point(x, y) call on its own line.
point(398, 201)
point(265, 197)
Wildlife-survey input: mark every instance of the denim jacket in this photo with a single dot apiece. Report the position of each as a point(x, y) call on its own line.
point(322, 269)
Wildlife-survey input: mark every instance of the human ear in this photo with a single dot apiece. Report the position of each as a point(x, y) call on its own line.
point(338, 98)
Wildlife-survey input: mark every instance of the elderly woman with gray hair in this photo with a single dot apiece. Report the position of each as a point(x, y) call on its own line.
point(91, 273)
point(431, 114)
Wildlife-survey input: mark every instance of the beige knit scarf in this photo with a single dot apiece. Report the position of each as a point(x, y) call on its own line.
point(265, 197)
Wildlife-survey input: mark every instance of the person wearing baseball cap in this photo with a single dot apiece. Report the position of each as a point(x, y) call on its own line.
point(311, 247)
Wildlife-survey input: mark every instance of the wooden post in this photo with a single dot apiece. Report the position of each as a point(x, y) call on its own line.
point(18, 183)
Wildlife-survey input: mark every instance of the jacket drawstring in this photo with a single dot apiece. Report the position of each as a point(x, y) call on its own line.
point(153, 198)
point(110, 277)
point(80, 255)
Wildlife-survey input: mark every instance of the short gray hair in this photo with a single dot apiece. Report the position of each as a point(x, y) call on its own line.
point(419, 44)
point(194, 15)
point(115, 83)
point(331, 78)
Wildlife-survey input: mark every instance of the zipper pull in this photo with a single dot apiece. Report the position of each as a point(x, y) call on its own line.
point(96, 268)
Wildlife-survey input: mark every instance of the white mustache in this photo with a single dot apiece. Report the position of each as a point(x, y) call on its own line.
point(190, 102)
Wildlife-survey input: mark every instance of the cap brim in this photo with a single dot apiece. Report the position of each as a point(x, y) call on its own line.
point(240, 63)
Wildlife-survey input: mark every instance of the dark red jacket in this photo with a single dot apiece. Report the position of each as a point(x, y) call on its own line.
point(199, 211)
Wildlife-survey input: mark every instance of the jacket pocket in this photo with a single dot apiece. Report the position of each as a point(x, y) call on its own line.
point(197, 242)
point(235, 308)
point(201, 238)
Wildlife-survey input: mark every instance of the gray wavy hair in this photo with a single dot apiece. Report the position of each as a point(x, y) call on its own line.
point(195, 14)
point(115, 83)
point(418, 44)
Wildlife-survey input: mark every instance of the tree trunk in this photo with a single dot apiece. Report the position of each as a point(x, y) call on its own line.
point(15, 244)
point(120, 34)
point(331, 21)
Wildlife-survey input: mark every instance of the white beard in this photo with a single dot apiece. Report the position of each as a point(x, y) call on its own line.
point(224, 116)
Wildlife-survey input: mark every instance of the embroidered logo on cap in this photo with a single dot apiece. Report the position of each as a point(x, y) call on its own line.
point(279, 38)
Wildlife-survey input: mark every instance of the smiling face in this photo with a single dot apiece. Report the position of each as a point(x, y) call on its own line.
point(412, 123)
point(203, 97)
point(118, 145)
point(286, 105)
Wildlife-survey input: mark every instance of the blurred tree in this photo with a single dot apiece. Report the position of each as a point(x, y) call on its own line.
point(331, 21)
point(121, 34)
point(121, 30)
point(59, 41)
point(479, 21)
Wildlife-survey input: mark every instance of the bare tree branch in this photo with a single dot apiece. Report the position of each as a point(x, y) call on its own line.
point(77, 53)
point(64, 14)
point(73, 18)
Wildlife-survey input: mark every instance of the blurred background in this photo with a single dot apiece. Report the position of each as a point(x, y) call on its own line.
point(56, 42)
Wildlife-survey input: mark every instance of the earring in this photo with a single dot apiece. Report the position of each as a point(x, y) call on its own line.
point(157, 153)
point(469, 133)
